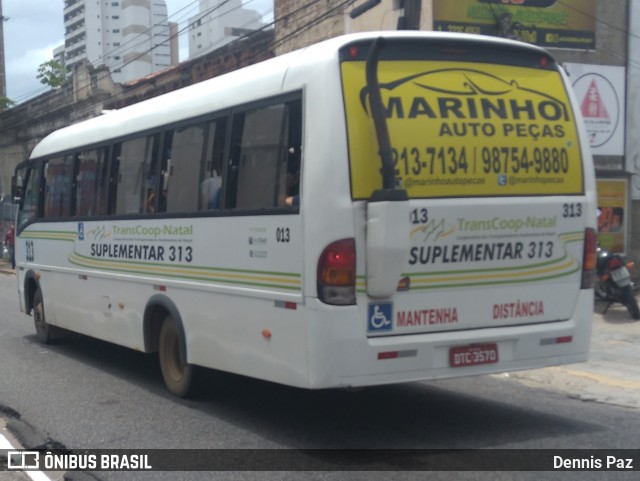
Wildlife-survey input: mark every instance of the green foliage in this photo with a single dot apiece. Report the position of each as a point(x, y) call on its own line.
point(6, 103)
point(52, 73)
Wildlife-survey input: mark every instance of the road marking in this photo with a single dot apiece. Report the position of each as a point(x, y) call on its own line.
point(34, 475)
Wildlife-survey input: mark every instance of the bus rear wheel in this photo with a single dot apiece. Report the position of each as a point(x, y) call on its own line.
point(177, 373)
point(44, 332)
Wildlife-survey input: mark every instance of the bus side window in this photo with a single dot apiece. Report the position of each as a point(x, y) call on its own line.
point(212, 168)
point(101, 200)
point(31, 200)
point(114, 177)
point(152, 187)
point(294, 154)
point(262, 158)
point(92, 183)
point(58, 186)
point(182, 157)
point(136, 176)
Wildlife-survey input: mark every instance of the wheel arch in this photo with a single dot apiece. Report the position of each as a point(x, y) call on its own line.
point(158, 307)
point(31, 285)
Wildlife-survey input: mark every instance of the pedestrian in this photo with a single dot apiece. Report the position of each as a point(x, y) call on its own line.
point(9, 243)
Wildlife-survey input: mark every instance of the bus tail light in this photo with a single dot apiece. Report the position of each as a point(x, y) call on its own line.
point(337, 273)
point(589, 259)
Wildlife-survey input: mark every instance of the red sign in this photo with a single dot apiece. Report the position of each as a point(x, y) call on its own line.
point(592, 104)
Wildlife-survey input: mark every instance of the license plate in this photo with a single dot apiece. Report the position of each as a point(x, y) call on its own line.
point(621, 276)
point(476, 354)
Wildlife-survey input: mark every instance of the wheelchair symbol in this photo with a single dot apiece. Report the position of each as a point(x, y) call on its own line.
point(380, 317)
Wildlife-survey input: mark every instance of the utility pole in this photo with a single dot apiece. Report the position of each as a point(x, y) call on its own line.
point(412, 11)
point(3, 77)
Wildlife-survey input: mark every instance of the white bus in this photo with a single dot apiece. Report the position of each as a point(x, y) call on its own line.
point(376, 208)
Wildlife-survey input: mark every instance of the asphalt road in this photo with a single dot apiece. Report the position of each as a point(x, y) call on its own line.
point(86, 394)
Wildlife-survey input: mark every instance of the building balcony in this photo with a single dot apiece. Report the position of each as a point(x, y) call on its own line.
point(75, 31)
point(73, 18)
point(73, 6)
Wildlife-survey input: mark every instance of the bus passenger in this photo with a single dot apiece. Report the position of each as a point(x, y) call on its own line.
point(210, 192)
point(293, 178)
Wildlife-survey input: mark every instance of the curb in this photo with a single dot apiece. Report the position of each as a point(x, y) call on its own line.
point(5, 267)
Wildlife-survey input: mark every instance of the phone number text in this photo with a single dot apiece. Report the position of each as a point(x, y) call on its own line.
point(449, 161)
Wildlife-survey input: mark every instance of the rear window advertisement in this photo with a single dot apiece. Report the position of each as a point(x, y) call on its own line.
point(465, 130)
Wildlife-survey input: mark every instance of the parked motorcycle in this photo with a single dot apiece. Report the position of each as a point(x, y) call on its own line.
point(614, 284)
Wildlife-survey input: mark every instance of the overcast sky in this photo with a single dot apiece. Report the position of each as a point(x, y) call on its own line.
point(35, 27)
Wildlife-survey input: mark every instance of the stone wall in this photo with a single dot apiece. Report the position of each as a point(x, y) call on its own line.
point(302, 22)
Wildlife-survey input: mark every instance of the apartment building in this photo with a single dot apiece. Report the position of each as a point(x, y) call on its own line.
point(133, 38)
point(219, 22)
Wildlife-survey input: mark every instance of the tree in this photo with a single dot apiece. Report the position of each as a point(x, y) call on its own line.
point(6, 103)
point(52, 73)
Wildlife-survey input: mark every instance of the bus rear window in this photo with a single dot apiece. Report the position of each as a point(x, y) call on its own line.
point(464, 128)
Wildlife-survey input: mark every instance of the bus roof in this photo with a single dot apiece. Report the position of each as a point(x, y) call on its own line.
point(263, 79)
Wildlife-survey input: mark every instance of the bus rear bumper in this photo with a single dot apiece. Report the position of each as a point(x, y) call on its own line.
point(357, 362)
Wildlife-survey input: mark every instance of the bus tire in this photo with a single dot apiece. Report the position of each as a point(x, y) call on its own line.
point(177, 373)
point(45, 332)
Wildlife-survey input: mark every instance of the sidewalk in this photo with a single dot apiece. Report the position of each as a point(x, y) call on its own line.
point(5, 267)
point(612, 373)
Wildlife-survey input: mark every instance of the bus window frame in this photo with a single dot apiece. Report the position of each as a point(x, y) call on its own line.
point(228, 187)
point(235, 134)
point(30, 167)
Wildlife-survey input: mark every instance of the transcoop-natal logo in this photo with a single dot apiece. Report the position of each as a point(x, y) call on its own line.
point(514, 224)
point(97, 233)
point(439, 228)
point(134, 231)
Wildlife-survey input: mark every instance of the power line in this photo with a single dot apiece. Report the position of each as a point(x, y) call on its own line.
point(145, 41)
point(122, 47)
point(206, 13)
point(300, 29)
point(311, 24)
point(116, 64)
point(596, 19)
point(306, 14)
point(170, 19)
point(337, 9)
point(178, 33)
point(220, 43)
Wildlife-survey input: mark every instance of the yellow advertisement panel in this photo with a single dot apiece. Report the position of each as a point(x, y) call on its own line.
point(465, 129)
point(612, 201)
